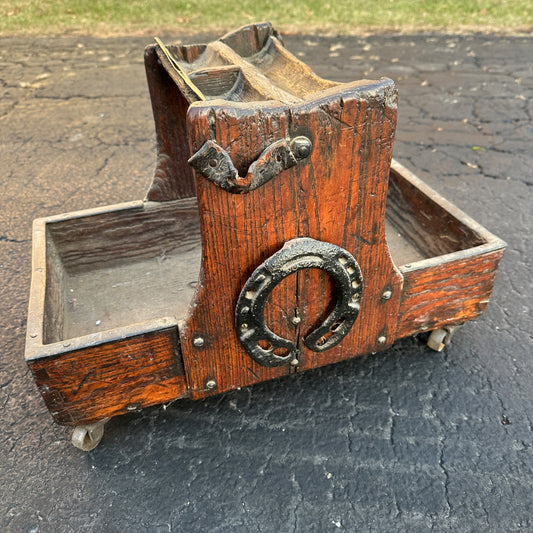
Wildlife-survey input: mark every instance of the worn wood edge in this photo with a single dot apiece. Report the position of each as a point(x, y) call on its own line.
point(113, 208)
point(362, 90)
point(256, 27)
point(35, 349)
point(440, 320)
point(35, 321)
point(438, 260)
point(490, 239)
point(92, 211)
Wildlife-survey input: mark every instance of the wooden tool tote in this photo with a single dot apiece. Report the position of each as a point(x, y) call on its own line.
point(276, 237)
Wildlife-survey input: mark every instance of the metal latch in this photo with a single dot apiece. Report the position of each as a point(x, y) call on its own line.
point(215, 164)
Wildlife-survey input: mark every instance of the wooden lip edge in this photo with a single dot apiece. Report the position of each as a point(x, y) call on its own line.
point(141, 205)
point(35, 349)
point(35, 322)
point(62, 217)
point(362, 90)
point(492, 242)
point(439, 260)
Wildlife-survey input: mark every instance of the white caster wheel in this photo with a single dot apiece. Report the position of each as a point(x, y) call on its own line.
point(88, 437)
point(439, 338)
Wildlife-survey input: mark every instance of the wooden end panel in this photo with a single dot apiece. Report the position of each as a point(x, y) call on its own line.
point(336, 195)
point(96, 382)
point(449, 292)
point(238, 234)
point(173, 177)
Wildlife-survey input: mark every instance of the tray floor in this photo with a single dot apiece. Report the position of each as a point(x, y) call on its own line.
point(148, 289)
point(110, 297)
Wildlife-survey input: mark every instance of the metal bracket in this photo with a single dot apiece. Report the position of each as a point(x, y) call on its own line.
point(263, 345)
point(215, 164)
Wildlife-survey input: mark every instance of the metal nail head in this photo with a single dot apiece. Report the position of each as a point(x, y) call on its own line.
point(198, 342)
point(301, 146)
point(386, 294)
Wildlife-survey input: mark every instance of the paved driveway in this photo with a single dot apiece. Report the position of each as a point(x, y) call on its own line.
point(406, 440)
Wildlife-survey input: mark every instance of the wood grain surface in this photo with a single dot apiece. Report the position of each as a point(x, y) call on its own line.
point(337, 195)
point(451, 291)
point(83, 386)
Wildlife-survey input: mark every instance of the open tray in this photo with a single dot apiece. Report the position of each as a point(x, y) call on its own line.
point(142, 303)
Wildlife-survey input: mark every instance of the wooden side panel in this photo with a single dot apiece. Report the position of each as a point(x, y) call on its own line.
point(337, 195)
point(173, 177)
point(428, 225)
point(86, 385)
point(447, 292)
point(87, 241)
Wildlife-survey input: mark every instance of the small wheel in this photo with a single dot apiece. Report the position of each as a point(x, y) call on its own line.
point(439, 338)
point(87, 437)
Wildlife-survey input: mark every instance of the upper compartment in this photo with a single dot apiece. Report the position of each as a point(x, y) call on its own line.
point(242, 68)
point(250, 64)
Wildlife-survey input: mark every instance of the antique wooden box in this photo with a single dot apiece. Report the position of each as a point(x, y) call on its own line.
point(277, 236)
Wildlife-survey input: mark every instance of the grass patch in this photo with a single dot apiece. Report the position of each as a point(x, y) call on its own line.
point(123, 17)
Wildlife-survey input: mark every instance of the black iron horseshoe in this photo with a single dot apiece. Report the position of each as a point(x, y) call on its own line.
point(262, 344)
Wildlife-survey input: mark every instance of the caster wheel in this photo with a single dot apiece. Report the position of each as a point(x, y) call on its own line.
point(439, 338)
point(87, 437)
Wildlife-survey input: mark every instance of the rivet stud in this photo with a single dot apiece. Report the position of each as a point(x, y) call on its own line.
point(198, 342)
point(386, 294)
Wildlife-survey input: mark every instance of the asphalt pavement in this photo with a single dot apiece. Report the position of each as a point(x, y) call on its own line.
point(404, 440)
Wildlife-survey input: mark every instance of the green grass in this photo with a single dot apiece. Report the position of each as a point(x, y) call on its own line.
point(108, 17)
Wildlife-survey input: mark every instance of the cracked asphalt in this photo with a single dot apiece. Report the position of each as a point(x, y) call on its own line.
point(405, 440)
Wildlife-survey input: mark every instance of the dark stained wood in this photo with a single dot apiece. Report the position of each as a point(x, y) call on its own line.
point(86, 385)
point(451, 291)
point(173, 177)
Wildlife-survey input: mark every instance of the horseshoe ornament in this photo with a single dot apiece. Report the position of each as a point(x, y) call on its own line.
point(262, 344)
